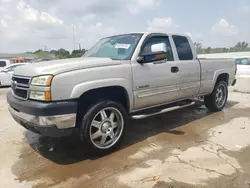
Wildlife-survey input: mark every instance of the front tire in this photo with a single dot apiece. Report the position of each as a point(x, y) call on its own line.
point(103, 127)
point(217, 100)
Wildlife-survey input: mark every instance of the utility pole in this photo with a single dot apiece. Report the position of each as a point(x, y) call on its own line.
point(80, 46)
point(74, 44)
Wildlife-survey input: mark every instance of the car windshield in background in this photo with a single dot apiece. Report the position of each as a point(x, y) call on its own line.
point(116, 47)
point(243, 61)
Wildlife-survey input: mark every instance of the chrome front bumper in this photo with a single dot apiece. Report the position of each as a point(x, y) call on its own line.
point(60, 121)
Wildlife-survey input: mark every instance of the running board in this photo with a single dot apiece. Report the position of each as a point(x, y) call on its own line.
point(142, 116)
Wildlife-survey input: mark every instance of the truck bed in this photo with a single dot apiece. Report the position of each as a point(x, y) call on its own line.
point(211, 68)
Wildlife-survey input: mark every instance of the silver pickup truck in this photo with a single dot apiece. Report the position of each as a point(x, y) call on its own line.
point(134, 74)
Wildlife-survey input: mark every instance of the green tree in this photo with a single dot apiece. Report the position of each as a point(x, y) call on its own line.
point(77, 53)
point(198, 47)
point(53, 52)
point(62, 54)
point(208, 50)
point(43, 54)
point(225, 50)
point(241, 46)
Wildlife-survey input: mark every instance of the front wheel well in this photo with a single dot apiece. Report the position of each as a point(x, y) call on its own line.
point(91, 97)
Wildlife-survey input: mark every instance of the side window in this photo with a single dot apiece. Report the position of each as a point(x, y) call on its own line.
point(184, 50)
point(158, 42)
point(2, 63)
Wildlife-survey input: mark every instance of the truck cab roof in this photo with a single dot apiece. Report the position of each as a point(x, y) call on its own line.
point(149, 33)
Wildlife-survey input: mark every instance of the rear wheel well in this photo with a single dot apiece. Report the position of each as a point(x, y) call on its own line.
point(91, 97)
point(222, 77)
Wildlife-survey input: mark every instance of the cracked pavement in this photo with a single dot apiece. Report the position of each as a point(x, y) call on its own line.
point(187, 148)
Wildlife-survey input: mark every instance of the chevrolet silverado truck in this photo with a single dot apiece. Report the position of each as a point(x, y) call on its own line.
point(129, 75)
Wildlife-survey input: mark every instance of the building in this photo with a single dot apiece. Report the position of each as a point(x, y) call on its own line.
point(27, 56)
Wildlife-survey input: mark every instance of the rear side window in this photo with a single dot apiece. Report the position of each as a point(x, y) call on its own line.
point(184, 50)
point(243, 61)
point(2, 63)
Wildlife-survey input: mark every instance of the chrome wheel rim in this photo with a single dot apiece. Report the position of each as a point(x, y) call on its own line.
point(221, 95)
point(106, 128)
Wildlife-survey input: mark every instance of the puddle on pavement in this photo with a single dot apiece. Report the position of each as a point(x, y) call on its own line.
point(67, 160)
point(197, 164)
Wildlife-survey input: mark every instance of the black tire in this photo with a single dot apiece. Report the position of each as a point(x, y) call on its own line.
point(91, 146)
point(210, 101)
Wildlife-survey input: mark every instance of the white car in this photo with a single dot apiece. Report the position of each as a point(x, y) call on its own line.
point(6, 74)
point(243, 66)
point(4, 63)
point(243, 75)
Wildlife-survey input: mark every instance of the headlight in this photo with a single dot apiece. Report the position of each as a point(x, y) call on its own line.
point(42, 80)
point(40, 95)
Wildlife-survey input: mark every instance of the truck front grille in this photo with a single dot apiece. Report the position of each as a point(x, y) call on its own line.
point(20, 86)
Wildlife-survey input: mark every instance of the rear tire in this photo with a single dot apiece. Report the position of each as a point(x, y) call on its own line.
point(217, 100)
point(103, 127)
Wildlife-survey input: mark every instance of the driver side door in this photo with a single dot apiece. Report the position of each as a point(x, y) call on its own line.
point(155, 82)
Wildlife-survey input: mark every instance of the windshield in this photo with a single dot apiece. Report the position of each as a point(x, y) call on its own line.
point(11, 67)
point(116, 47)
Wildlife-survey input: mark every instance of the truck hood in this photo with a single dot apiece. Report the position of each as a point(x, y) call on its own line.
point(59, 66)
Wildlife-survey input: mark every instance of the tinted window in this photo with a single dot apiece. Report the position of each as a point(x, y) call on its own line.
point(242, 61)
point(2, 63)
point(183, 48)
point(157, 40)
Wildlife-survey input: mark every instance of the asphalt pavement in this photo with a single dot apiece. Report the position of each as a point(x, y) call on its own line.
point(187, 148)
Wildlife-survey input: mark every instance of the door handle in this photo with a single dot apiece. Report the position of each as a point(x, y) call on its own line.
point(174, 69)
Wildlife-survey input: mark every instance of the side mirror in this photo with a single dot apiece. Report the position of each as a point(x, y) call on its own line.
point(152, 57)
point(160, 47)
point(140, 59)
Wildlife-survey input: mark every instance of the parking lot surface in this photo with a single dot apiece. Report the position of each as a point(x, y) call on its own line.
point(191, 147)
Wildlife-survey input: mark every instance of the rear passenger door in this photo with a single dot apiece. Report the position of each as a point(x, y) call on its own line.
point(189, 67)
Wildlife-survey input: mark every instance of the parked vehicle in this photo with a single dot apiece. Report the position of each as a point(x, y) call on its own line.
point(243, 66)
point(4, 63)
point(135, 74)
point(243, 75)
point(7, 72)
point(18, 60)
